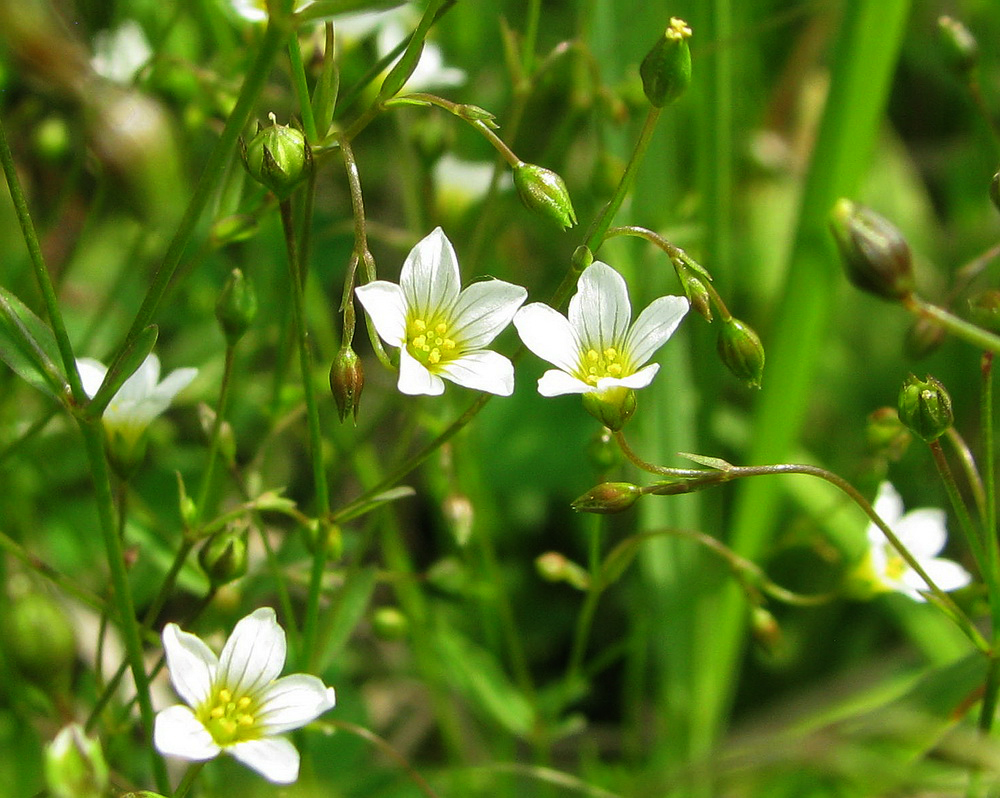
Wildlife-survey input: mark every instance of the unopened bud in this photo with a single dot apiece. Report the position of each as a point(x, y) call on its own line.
point(886, 434)
point(75, 766)
point(961, 47)
point(323, 534)
point(666, 69)
point(39, 640)
point(554, 567)
point(347, 380)
point(603, 452)
point(984, 310)
point(876, 256)
point(612, 407)
point(765, 629)
point(923, 337)
point(223, 557)
point(389, 623)
point(608, 497)
point(459, 514)
point(741, 351)
point(277, 156)
point(925, 407)
point(236, 307)
point(695, 290)
point(544, 192)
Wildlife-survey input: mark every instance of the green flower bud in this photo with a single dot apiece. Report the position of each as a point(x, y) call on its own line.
point(554, 567)
point(925, 407)
point(609, 497)
point(223, 557)
point(765, 630)
point(51, 140)
point(666, 69)
point(582, 257)
point(389, 623)
point(961, 47)
point(278, 157)
point(886, 434)
point(923, 337)
point(694, 289)
point(544, 192)
point(347, 381)
point(984, 308)
point(612, 407)
point(236, 306)
point(38, 639)
point(741, 351)
point(329, 535)
point(876, 255)
point(75, 766)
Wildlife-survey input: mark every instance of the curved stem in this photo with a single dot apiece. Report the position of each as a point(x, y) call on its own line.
point(958, 327)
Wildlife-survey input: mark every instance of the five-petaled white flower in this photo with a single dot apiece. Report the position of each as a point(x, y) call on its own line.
point(439, 329)
point(923, 533)
point(236, 703)
point(140, 399)
point(595, 351)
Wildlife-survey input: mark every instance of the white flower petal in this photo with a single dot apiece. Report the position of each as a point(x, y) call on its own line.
point(429, 278)
point(141, 383)
point(482, 371)
point(888, 505)
point(640, 379)
point(91, 373)
point(386, 306)
point(548, 334)
point(415, 379)
point(191, 664)
point(177, 732)
point(923, 532)
point(600, 311)
point(946, 574)
point(558, 383)
point(275, 758)
point(292, 702)
point(254, 654)
point(653, 327)
point(483, 310)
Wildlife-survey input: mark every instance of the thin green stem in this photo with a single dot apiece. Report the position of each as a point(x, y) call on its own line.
point(188, 780)
point(989, 500)
point(215, 439)
point(958, 327)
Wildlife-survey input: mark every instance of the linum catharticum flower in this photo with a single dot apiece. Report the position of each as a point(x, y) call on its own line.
point(596, 351)
point(140, 400)
point(441, 330)
point(235, 702)
point(924, 534)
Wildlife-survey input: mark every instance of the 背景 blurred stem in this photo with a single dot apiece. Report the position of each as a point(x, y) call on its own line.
point(958, 327)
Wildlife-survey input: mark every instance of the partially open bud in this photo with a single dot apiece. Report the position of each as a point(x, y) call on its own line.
point(741, 351)
point(223, 557)
point(876, 256)
point(609, 497)
point(925, 407)
point(544, 192)
point(278, 156)
point(236, 307)
point(75, 766)
point(886, 434)
point(347, 380)
point(554, 567)
point(666, 69)
point(612, 407)
point(38, 640)
point(961, 47)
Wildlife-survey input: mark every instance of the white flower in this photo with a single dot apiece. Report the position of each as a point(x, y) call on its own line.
point(923, 533)
point(140, 399)
point(440, 330)
point(256, 10)
point(595, 351)
point(236, 703)
point(120, 54)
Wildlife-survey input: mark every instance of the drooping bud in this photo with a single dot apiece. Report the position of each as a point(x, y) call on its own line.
point(612, 407)
point(603, 452)
point(236, 307)
point(544, 192)
point(886, 434)
point(925, 407)
point(876, 256)
point(694, 289)
point(39, 640)
point(555, 567)
point(961, 47)
point(666, 69)
point(347, 380)
point(75, 766)
point(608, 497)
point(741, 351)
point(223, 557)
point(389, 623)
point(277, 156)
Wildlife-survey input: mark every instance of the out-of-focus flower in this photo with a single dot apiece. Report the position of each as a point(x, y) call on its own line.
point(235, 702)
point(441, 331)
point(141, 398)
point(595, 350)
point(924, 534)
point(121, 53)
point(256, 10)
point(74, 765)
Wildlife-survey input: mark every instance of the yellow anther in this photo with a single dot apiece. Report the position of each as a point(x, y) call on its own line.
point(419, 325)
point(447, 343)
point(245, 720)
point(217, 712)
point(244, 702)
point(441, 328)
point(593, 356)
point(610, 353)
point(615, 370)
point(434, 356)
point(438, 341)
point(225, 696)
point(420, 342)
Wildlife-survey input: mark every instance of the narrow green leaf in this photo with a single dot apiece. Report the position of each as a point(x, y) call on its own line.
point(352, 602)
point(28, 346)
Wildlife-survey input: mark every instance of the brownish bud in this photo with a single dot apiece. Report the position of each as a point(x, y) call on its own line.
point(876, 256)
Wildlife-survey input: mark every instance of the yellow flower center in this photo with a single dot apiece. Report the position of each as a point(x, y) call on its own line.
point(608, 363)
point(229, 719)
point(895, 567)
point(428, 341)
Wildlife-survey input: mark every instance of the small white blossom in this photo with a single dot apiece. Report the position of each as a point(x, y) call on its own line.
point(595, 350)
point(235, 702)
point(256, 10)
point(121, 53)
point(923, 533)
point(439, 329)
point(140, 399)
